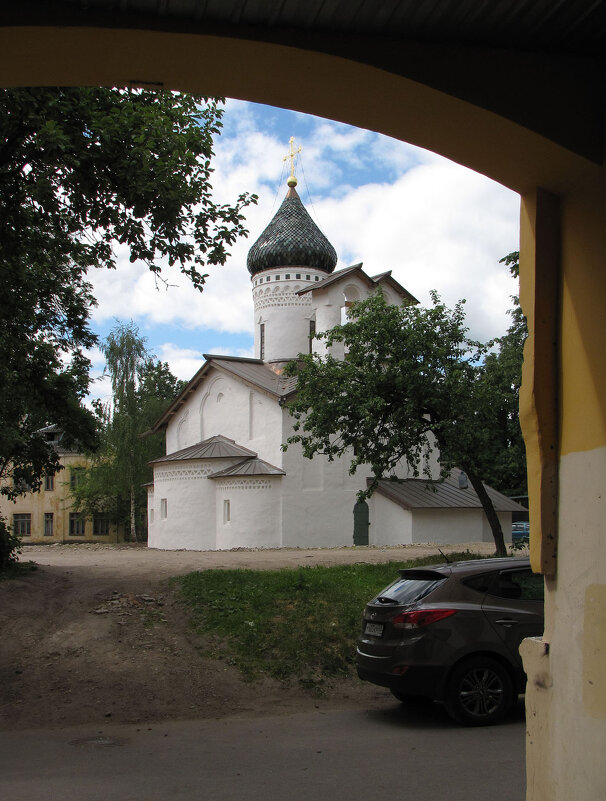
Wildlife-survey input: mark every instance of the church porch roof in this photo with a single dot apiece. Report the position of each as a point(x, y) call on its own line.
point(217, 447)
point(249, 467)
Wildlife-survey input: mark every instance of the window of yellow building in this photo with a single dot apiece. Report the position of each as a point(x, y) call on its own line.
point(22, 524)
point(76, 525)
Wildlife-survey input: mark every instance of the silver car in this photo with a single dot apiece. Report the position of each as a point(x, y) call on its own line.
point(452, 633)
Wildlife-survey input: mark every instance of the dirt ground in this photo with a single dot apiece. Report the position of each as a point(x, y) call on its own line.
point(96, 634)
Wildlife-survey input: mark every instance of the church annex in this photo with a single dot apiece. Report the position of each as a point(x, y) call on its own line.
point(225, 481)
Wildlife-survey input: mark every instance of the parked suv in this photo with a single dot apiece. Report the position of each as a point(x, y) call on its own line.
point(452, 633)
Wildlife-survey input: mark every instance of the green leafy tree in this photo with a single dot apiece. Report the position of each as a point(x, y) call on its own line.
point(84, 171)
point(503, 372)
point(125, 355)
point(141, 388)
point(412, 379)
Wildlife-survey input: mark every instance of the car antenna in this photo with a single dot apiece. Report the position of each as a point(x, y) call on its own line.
point(446, 559)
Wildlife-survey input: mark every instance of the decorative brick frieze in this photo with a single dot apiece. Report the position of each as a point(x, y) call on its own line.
point(182, 473)
point(245, 484)
point(279, 301)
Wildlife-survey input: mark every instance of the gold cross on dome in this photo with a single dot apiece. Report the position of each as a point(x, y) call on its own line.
point(292, 181)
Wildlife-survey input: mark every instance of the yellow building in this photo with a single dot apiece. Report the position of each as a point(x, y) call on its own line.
point(47, 516)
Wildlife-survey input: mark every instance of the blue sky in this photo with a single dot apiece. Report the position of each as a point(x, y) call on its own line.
point(435, 224)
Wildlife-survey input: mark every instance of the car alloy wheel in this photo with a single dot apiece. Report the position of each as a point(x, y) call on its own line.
point(479, 692)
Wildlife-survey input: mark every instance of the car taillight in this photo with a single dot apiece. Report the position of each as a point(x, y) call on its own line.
point(421, 617)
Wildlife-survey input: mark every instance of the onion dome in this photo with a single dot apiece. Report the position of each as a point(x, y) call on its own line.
point(292, 239)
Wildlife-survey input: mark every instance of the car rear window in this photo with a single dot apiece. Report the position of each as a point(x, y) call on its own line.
point(523, 585)
point(480, 583)
point(410, 588)
point(520, 584)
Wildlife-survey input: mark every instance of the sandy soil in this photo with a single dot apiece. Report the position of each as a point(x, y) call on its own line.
point(96, 634)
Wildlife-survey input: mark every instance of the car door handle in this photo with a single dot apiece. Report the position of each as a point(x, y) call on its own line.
point(507, 621)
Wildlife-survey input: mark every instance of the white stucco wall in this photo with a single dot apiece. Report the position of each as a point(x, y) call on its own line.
point(330, 302)
point(318, 498)
point(223, 405)
point(389, 523)
point(328, 315)
point(456, 525)
point(190, 505)
point(285, 314)
point(255, 512)
point(151, 513)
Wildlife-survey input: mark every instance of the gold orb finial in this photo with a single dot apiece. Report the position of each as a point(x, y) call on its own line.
point(292, 181)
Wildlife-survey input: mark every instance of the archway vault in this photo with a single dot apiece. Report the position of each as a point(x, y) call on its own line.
point(521, 144)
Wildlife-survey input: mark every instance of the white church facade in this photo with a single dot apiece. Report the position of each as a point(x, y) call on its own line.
point(225, 481)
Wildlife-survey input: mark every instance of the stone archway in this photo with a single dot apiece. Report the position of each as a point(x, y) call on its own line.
point(555, 161)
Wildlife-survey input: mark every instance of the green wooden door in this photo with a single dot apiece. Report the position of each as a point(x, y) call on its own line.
point(361, 523)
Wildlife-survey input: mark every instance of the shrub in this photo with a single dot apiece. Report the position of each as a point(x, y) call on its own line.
point(10, 546)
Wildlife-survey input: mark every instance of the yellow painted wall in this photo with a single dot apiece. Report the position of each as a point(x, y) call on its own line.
point(57, 501)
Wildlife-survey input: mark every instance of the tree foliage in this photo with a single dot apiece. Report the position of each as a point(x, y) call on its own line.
point(503, 372)
point(86, 173)
point(10, 546)
point(86, 169)
point(141, 388)
point(412, 378)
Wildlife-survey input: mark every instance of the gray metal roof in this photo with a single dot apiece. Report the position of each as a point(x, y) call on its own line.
point(256, 373)
point(250, 467)
point(336, 277)
point(417, 493)
point(217, 447)
point(372, 282)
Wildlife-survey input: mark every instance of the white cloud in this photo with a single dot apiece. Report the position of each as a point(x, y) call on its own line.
point(96, 357)
point(183, 362)
point(440, 227)
point(100, 387)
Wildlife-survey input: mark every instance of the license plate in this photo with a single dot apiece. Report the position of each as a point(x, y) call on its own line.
point(374, 629)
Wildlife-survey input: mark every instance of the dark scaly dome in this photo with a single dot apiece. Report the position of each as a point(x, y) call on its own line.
point(292, 239)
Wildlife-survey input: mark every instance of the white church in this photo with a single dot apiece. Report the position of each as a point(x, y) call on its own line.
point(225, 481)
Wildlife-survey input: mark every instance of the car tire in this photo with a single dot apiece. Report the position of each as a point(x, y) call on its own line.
point(479, 692)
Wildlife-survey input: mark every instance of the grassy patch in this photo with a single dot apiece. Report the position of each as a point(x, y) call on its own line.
point(291, 624)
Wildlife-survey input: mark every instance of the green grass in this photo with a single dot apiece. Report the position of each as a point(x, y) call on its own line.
point(291, 624)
